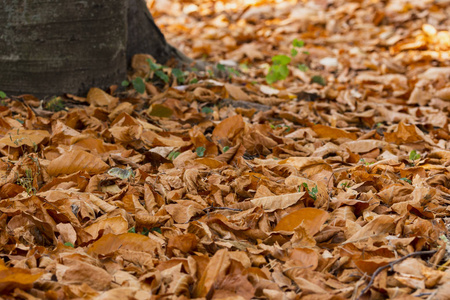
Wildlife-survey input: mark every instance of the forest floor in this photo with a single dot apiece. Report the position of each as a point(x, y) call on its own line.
point(317, 168)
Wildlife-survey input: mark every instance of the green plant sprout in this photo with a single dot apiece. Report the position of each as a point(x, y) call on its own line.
point(156, 70)
point(406, 179)
point(27, 182)
point(207, 110)
point(279, 69)
point(287, 127)
point(413, 156)
point(172, 155)
point(200, 151)
point(55, 104)
point(345, 185)
point(179, 75)
point(229, 70)
point(319, 79)
point(312, 193)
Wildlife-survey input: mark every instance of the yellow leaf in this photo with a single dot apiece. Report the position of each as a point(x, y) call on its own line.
point(16, 278)
point(109, 243)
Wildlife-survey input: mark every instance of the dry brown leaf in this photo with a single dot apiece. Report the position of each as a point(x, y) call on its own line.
point(273, 203)
point(20, 137)
point(110, 243)
point(75, 161)
point(98, 97)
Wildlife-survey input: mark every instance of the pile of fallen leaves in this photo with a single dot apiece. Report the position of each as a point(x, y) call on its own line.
point(331, 184)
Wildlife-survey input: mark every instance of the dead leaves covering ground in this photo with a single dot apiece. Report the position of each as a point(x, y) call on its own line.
point(236, 190)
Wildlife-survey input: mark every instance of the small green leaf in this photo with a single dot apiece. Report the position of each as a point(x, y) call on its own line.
point(294, 52)
point(281, 59)
point(179, 75)
point(302, 67)
point(2, 95)
point(145, 231)
point(157, 229)
point(69, 244)
point(163, 76)
point(172, 155)
point(305, 52)
point(221, 67)
point(153, 66)
point(406, 179)
point(243, 66)
point(225, 149)
point(271, 77)
point(200, 151)
point(125, 83)
point(319, 79)
point(413, 155)
point(277, 72)
point(298, 43)
point(132, 230)
point(194, 80)
point(233, 71)
point(207, 110)
point(139, 85)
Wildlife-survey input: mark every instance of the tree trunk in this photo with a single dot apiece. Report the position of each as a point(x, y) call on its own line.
point(50, 47)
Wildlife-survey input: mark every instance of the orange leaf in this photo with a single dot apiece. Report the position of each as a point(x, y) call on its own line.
point(310, 218)
point(17, 138)
point(97, 97)
point(126, 241)
point(305, 257)
point(228, 130)
point(332, 133)
point(404, 134)
point(114, 225)
point(185, 243)
point(74, 161)
point(215, 268)
point(16, 278)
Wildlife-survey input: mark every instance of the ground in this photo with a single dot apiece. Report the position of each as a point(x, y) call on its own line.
point(319, 168)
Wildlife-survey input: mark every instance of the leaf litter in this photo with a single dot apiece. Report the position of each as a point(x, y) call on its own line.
point(333, 182)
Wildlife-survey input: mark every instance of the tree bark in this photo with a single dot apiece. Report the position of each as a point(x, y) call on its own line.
point(50, 47)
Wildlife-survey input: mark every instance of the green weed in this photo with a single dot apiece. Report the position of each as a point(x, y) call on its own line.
point(279, 69)
point(312, 193)
point(55, 104)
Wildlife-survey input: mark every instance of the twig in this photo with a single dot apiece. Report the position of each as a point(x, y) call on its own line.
point(391, 264)
point(208, 209)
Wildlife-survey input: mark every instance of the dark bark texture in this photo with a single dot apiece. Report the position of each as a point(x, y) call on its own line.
point(144, 36)
point(50, 47)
